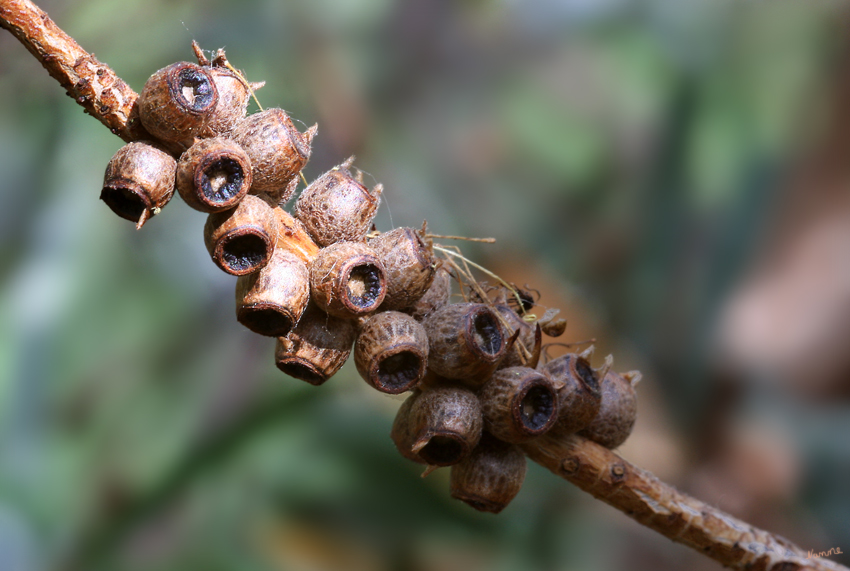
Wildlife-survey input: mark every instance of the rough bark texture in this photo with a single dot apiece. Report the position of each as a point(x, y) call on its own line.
point(661, 507)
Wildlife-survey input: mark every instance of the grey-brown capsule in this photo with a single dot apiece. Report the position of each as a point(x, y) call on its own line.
point(438, 426)
point(271, 301)
point(336, 207)
point(213, 175)
point(138, 182)
point(317, 347)
point(241, 240)
point(518, 404)
point(410, 264)
point(490, 477)
point(435, 297)
point(348, 280)
point(177, 101)
point(525, 350)
point(391, 352)
point(579, 394)
point(277, 151)
point(233, 95)
point(617, 412)
point(467, 341)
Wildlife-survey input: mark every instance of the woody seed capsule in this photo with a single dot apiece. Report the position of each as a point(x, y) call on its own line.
point(518, 404)
point(348, 280)
point(410, 266)
point(241, 240)
point(317, 347)
point(391, 352)
point(467, 340)
point(177, 101)
point(438, 426)
point(233, 95)
point(336, 207)
point(490, 477)
point(578, 390)
point(270, 302)
point(138, 182)
point(435, 297)
point(213, 175)
point(525, 351)
point(617, 412)
point(277, 151)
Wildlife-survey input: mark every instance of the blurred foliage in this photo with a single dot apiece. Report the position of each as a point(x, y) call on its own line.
point(630, 152)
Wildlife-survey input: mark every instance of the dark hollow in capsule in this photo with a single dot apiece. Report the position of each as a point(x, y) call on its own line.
point(486, 333)
point(221, 180)
point(303, 371)
point(269, 320)
point(443, 450)
point(194, 88)
point(244, 252)
point(399, 370)
point(123, 201)
point(537, 407)
point(365, 285)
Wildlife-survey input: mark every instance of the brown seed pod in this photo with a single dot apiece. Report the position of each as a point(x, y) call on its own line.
point(348, 280)
point(438, 426)
point(336, 207)
point(233, 95)
point(579, 394)
point(138, 182)
point(617, 412)
point(518, 404)
point(317, 347)
point(391, 352)
point(525, 351)
point(277, 151)
point(270, 302)
point(435, 297)
point(410, 264)
point(467, 341)
point(241, 240)
point(177, 101)
point(213, 175)
point(490, 477)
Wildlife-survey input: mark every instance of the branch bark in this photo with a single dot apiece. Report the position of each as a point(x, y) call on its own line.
point(594, 469)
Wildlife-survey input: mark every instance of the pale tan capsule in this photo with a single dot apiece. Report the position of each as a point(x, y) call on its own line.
point(410, 264)
point(438, 426)
point(317, 347)
point(490, 477)
point(271, 301)
point(391, 352)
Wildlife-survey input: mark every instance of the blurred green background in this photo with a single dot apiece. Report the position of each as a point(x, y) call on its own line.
point(673, 175)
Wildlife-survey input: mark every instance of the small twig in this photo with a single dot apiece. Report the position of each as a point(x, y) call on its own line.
point(662, 508)
point(464, 238)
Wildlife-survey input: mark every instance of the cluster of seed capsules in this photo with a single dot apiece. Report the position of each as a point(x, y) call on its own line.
point(326, 284)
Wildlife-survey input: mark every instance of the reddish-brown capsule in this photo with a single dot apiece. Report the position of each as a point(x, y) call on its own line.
point(578, 389)
point(138, 182)
point(437, 296)
point(293, 237)
point(336, 207)
point(617, 412)
point(317, 347)
point(241, 240)
point(177, 101)
point(518, 403)
point(233, 95)
point(270, 302)
point(525, 350)
point(490, 477)
point(348, 280)
point(438, 426)
point(391, 352)
point(467, 340)
point(213, 175)
point(277, 151)
point(410, 266)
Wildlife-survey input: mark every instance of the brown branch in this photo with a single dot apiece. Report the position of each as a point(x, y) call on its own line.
point(90, 83)
point(592, 468)
point(662, 508)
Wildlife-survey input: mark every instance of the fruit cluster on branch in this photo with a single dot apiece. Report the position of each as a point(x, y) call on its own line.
point(325, 283)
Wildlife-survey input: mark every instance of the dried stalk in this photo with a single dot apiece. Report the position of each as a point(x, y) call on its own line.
point(589, 466)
